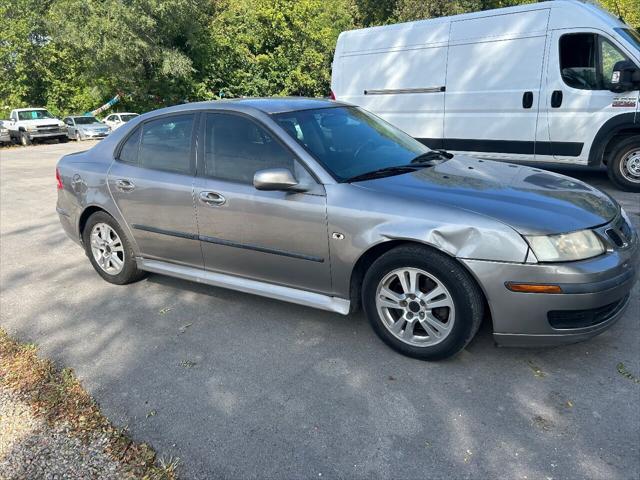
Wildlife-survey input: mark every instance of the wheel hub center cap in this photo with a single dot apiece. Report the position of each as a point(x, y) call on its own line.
point(414, 307)
point(634, 165)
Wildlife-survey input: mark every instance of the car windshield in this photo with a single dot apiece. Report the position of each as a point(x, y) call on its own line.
point(350, 142)
point(630, 35)
point(85, 120)
point(34, 115)
point(126, 118)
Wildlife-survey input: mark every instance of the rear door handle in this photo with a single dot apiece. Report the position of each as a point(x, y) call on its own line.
point(213, 199)
point(527, 100)
point(556, 99)
point(125, 185)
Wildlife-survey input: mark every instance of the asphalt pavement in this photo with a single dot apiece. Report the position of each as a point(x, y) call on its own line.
point(239, 386)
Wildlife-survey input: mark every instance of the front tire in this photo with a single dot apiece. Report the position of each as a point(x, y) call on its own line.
point(25, 140)
point(624, 165)
point(422, 303)
point(109, 250)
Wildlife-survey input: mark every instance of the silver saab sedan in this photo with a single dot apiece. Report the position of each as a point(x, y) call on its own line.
point(325, 205)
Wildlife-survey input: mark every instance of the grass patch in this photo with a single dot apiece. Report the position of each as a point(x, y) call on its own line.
point(57, 396)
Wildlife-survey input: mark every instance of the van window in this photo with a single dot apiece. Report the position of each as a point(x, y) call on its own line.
point(587, 61)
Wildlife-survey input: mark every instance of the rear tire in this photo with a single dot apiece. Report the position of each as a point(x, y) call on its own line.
point(109, 250)
point(422, 303)
point(624, 165)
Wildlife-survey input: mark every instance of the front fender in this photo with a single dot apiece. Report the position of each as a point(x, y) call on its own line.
point(456, 232)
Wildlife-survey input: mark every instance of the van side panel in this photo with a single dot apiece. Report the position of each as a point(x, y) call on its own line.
point(494, 76)
point(398, 73)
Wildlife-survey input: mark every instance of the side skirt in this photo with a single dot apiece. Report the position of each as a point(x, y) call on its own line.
point(269, 290)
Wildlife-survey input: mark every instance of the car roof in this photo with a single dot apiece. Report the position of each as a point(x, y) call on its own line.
point(28, 109)
point(266, 105)
point(124, 113)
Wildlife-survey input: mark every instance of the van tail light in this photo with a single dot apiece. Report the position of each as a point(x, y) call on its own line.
point(59, 180)
point(332, 96)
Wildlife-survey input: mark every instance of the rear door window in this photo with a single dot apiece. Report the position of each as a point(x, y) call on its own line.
point(129, 151)
point(166, 144)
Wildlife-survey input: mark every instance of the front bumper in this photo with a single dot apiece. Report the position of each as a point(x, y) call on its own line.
point(92, 134)
point(53, 134)
point(596, 294)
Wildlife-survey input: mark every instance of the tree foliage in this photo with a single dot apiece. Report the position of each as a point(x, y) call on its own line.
point(73, 55)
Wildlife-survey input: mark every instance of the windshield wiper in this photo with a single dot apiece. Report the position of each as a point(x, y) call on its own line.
point(432, 155)
point(383, 172)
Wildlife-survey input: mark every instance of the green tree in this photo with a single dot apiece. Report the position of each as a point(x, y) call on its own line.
point(629, 10)
point(273, 47)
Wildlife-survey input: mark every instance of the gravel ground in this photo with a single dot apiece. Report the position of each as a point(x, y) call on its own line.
point(32, 449)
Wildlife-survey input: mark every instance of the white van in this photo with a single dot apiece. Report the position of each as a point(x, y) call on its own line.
point(547, 82)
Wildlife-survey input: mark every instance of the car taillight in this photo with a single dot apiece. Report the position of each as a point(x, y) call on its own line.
point(332, 96)
point(58, 180)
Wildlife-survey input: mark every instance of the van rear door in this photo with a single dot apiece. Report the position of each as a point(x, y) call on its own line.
point(494, 75)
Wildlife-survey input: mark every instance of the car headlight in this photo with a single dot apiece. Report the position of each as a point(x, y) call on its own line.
point(566, 246)
point(32, 128)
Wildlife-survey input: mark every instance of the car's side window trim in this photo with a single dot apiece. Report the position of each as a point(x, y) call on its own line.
point(275, 136)
point(140, 127)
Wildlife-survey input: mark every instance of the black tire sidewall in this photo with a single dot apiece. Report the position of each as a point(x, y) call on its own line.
point(463, 289)
point(24, 139)
point(129, 272)
point(613, 166)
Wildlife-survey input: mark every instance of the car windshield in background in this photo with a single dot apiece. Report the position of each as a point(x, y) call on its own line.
point(630, 35)
point(85, 120)
point(34, 115)
point(126, 118)
point(350, 142)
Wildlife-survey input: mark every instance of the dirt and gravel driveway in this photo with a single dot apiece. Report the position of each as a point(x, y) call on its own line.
point(238, 386)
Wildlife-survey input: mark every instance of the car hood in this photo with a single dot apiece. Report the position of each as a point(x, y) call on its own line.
point(532, 201)
point(41, 122)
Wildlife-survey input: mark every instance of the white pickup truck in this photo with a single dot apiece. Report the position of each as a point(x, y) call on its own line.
point(28, 124)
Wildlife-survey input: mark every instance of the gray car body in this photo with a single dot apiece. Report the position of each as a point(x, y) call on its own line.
point(313, 247)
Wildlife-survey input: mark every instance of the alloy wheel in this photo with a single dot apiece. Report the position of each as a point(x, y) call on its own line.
point(415, 306)
point(107, 248)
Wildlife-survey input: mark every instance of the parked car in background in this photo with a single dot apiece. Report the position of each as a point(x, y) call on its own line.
point(116, 120)
point(4, 133)
point(86, 127)
point(545, 82)
point(326, 205)
point(28, 124)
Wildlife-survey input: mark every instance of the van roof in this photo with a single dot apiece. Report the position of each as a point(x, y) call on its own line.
point(587, 9)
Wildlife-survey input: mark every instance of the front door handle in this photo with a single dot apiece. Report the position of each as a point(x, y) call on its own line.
point(213, 199)
point(527, 100)
point(125, 185)
point(556, 99)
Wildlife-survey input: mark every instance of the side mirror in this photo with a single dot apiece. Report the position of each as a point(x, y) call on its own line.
point(625, 77)
point(276, 179)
